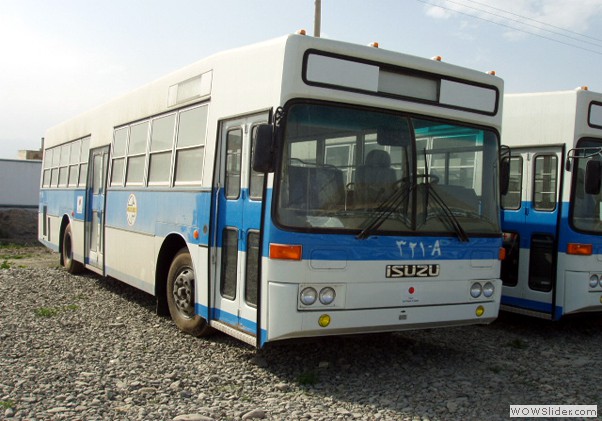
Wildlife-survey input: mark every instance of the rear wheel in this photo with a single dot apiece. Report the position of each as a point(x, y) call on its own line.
point(181, 285)
point(69, 262)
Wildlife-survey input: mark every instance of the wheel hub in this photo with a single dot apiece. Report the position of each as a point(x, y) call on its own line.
point(183, 293)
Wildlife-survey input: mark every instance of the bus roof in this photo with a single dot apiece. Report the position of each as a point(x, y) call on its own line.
point(544, 118)
point(267, 74)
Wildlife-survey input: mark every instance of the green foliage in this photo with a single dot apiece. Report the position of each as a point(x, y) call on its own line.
point(53, 311)
point(7, 404)
point(517, 344)
point(308, 378)
point(5, 265)
point(46, 311)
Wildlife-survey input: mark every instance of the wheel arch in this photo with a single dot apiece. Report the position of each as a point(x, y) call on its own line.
point(172, 244)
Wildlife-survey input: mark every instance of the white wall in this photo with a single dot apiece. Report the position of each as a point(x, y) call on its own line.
point(19, 183)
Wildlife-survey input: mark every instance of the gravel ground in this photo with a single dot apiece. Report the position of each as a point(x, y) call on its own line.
point(88, 348)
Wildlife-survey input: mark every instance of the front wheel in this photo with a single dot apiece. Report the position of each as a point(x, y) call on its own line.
point(181, 284)
point(69, 262)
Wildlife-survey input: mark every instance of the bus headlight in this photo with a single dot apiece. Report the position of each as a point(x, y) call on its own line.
point(327, 295)
point(308, 296)
point(488, 290)
point(593, 281)
point(475, 290)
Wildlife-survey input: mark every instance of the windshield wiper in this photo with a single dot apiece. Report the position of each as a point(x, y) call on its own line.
point(384, 209)
point(447, 212)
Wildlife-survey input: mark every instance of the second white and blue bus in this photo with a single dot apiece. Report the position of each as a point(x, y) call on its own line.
point(552, 213)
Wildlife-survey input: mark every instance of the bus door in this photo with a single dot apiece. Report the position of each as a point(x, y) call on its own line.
point(95, 205)
point(530, 224)
point(237, 216)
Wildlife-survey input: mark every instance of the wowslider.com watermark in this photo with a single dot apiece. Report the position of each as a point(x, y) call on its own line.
point(553, 411)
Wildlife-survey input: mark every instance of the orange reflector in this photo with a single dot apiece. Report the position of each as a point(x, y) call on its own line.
point(580, 249)
point(373, 44)
point(502, 254)
point(491, 72)
point(437, 58)
point(301, 32)
point(285, 252)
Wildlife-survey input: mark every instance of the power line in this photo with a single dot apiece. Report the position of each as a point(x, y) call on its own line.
point(525, 23)
point(511, 27)
point(534, 20)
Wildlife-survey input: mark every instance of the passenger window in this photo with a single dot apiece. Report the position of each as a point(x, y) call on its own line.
point(160, 149)
point(233, 163)
point(190, 145)
point(136, 154)
point(229, 263)
point(252, 268)
point(541, 262)
point(512, 199)
point(544, 182)
point(119, 143)
point(256, 178)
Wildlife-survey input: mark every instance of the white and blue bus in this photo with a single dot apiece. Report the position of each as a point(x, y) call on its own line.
point(552, 214)
point(295, 188)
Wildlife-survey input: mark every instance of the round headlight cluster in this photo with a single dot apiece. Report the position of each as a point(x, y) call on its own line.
point(309, 296)
point(327, 295)
point(476, 290)
point(595, 280)
point(487, 290)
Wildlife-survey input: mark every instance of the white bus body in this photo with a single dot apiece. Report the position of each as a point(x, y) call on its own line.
point(156, 189)
point(552, 225)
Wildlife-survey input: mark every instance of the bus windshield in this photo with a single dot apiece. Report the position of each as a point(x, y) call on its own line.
point(352, 169)
point(587, 214)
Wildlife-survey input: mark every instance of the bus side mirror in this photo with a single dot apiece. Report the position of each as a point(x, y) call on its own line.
point(592, 177)
point(263, 156)
point(504, 176)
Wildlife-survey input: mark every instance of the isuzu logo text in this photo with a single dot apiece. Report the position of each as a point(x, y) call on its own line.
point(412, 271)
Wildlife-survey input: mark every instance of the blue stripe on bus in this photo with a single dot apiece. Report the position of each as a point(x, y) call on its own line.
point(545, 222)
point(55, 200)
point(248, 326)
point(159, 213)
point(347, 247)
point(531, 305)
point(162, 212)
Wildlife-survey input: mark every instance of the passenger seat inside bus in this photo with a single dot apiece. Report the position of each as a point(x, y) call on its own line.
point(374, 180)
point(315, 187)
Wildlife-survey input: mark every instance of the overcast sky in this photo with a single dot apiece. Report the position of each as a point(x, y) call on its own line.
point(59, 58)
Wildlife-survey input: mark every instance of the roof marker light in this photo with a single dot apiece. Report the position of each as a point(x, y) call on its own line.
point(437, 58)
point(582, 88)
point(373, 44)
point(301, 32)
point(491, 72)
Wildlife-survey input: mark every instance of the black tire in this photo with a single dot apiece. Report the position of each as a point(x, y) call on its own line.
point(181, 283)
point(69, 262)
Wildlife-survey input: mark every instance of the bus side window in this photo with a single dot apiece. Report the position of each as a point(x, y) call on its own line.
point(544, 182)
point(255, 178)
point(509, 272)
point(233, 163)
point(512, 198)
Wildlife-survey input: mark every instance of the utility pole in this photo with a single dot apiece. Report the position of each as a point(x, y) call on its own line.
point(317, 18)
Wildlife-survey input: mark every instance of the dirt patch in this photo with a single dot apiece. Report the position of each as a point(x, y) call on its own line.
point(19, 226)
point(35, 257)
point(19, 246)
